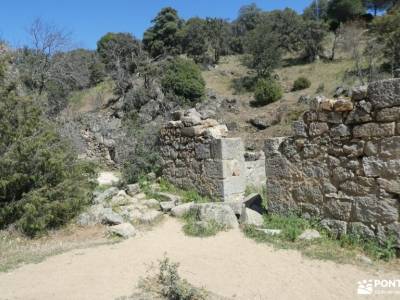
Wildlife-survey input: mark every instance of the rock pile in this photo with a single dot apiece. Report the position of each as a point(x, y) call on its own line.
point(121, 210)
point(343, 163)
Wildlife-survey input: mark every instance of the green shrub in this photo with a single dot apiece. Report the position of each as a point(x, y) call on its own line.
point(168, 284)
point(42, 184)
point(301, 83)
point(183, 78)
point(267, 91)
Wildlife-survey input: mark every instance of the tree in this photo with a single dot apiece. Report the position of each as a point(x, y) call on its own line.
point(183, 78)
point(288, 25)
point(313, 35)
point(386, 31)
point(317, 10)
point(123, 56)
point(219, 34)
point(249, 17)
point(264, 49)
point(164, 37)
point(341, 11)
point(42, 184)
point(195, 42)
point(35, 60)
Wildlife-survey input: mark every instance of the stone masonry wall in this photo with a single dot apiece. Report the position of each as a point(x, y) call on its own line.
point(343, 163)
point(196, 155)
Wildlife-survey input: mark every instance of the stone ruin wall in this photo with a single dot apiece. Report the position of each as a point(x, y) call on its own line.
point(197, 155)
point(343, 163)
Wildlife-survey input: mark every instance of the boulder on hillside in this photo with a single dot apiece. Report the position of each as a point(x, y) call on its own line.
point(125, 230)
point(251, 217)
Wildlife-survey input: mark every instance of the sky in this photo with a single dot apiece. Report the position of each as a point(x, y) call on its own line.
point(88, 20)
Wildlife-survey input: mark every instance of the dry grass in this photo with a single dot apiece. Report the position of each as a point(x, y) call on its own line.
point(16, 249)
point(283, 112)
point(93, 98)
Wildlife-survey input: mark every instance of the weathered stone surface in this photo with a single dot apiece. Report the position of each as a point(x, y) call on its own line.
point(340, 131)
point(338, 209)
point(385, 93)
point(106, 195)
point(388, 114)
point(299, 129)
point(359, 93)
point(370, 149)
point(111, 218)
point(390, 148)
point(133, 189)
point(371, 210)
point(360, 114)
point(342, 105)
point(221, 214)
point(152, 203)
point(251, 217)
point(335, 227)
point(376, 167)
point(374, 130)
point(167, 206)
point(317, 129)
point(346, 173)
point(390, 186)
point(309, 235)
point(125, 230)
point(360, 229)
point(149, 217)
point(259, 123)
point(180, 210)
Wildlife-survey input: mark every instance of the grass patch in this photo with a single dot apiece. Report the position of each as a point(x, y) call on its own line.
point(262, 191)
point(165, 186)
point(343, 250)
point(195, 227)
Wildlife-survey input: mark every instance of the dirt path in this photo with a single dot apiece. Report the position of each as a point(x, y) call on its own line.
point(228, 264)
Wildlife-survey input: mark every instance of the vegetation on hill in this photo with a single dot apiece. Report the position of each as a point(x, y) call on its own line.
point(43, 184)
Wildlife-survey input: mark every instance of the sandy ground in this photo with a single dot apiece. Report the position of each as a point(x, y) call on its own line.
point(228, 264)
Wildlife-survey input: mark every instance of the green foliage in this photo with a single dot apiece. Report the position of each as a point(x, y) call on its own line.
point(120, 51)
point(344, 249)
point(219, 35)
point(42, 184)
point(164, 37)
point(183, 78)
point(188, 195)
point(195, 227)
point(313, 35)
point(244, 84)
point(167, 284)
point(267, 91)
point(341, 11)
point(264, 50)
point(288, 26)
point(386, 31)
point(145, 156)
point(195, 42)
point(301, 83)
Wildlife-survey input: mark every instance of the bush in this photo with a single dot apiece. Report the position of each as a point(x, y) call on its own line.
point(267, 91)
point(42, 184)
point(183, 78)
point(301, 83)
